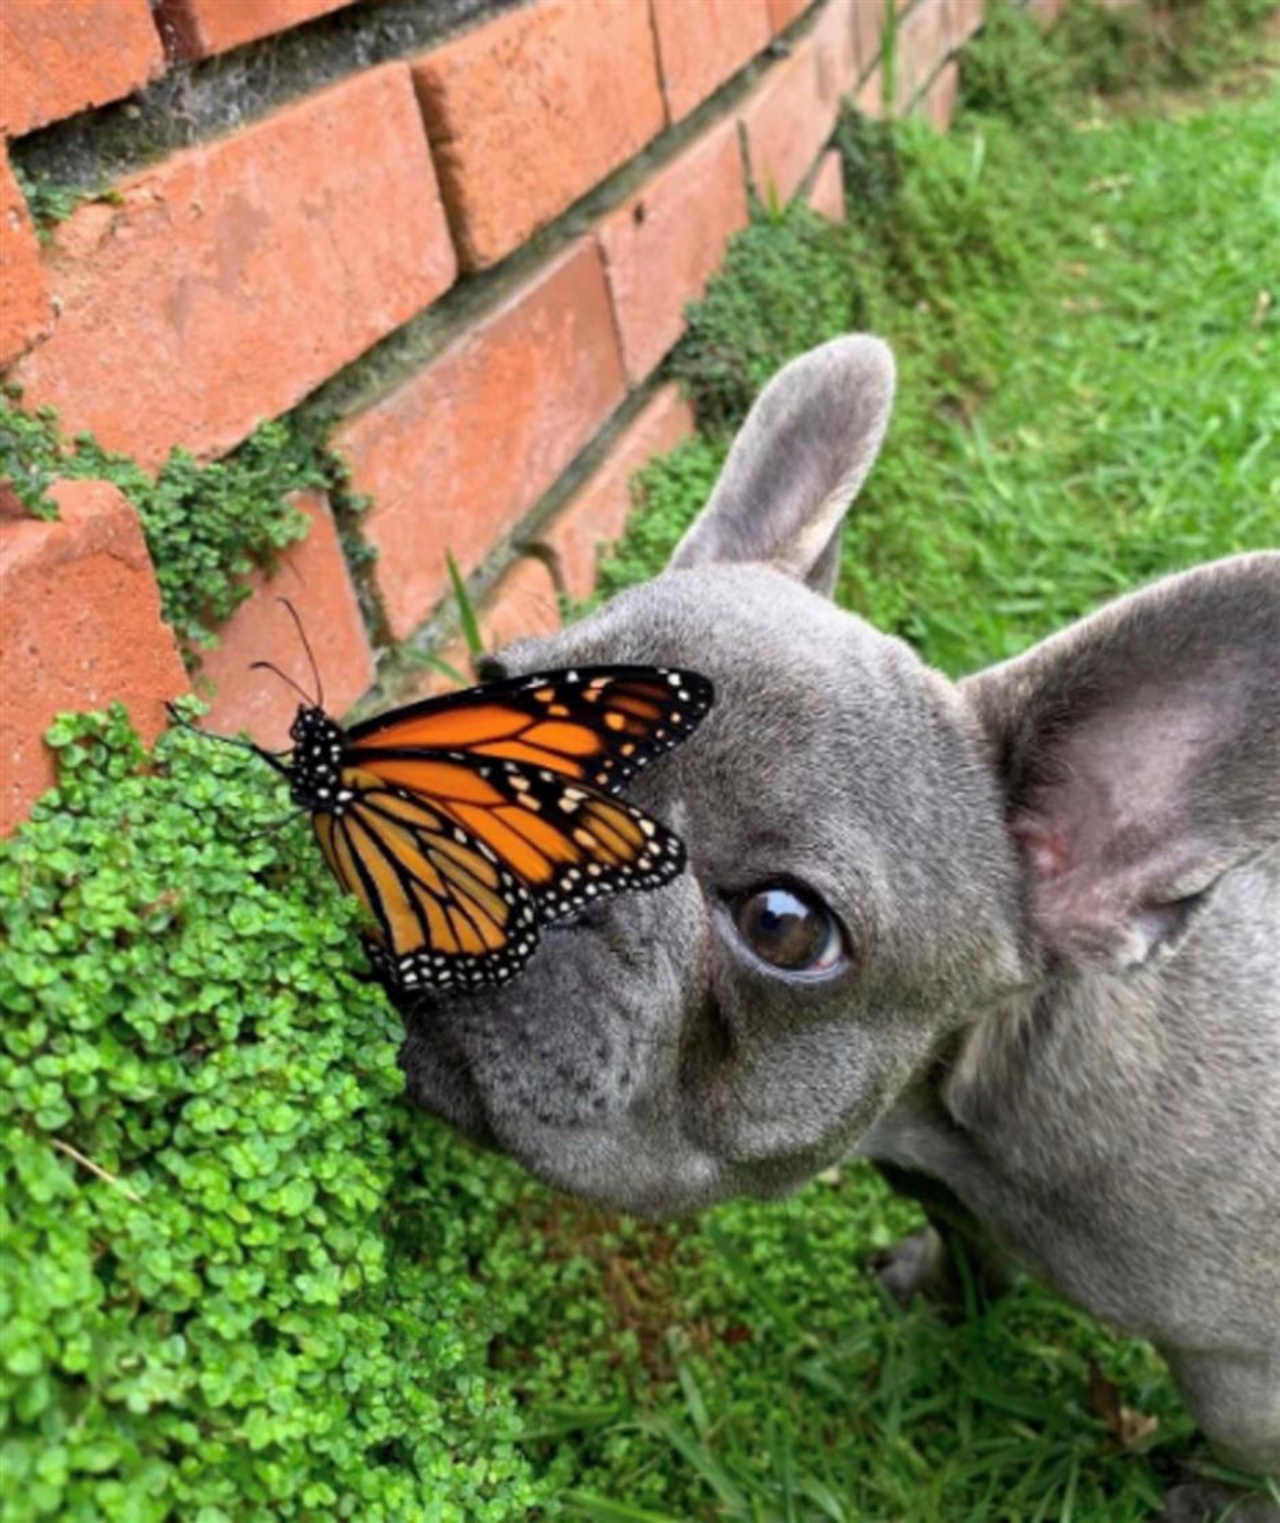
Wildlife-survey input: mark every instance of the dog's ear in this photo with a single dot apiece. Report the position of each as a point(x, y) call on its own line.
point(797, 463)
point(1140, 753)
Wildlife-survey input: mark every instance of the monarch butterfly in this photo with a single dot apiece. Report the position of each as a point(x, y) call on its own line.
point(465, 823)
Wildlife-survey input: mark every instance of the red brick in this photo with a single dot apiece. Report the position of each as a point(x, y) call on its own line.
point(836, 61)
point(198, 28)
point(313, 575)
point(791, 114)
point(599, 510)
point(938, 102)
point(25, 311)
point(870, 97)
point(868, 29)
point(63, 56)
point(430, 680)
point(455, 457)
point(964, 18)
point(663, 243)
point(701, 43)
point(523, 603)
point(529, 111)
point(826, 194)
point(80, 625)
point(921, 47)
point(783, 12)
point(233, 279)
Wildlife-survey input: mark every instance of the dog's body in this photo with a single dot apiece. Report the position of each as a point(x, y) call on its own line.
point(1019, 937)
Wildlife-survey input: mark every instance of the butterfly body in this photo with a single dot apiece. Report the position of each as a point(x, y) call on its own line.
point(465, 823)
point(315, 771)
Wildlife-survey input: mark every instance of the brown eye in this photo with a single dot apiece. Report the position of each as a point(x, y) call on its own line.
point(789, 928)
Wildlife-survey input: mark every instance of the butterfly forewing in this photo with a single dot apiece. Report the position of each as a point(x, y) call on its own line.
point(598, 725)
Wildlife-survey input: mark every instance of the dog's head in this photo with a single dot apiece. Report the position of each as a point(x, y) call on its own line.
point(873, 852)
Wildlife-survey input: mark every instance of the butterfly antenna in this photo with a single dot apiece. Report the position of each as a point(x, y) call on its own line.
point(306, 645)
point(269, 666)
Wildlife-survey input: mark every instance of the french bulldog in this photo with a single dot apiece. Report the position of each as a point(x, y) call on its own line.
point(1017, 938)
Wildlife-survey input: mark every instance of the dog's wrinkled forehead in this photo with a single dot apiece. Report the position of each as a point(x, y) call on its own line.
point(770, 646)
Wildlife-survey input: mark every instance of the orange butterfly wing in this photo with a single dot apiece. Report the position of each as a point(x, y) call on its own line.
point(596, 724)
point(566, 842)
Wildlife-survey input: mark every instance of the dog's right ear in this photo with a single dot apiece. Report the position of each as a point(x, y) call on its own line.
point(799, 460)
point(1139, 751)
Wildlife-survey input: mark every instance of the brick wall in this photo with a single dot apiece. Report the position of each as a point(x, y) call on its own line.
point(487, 216)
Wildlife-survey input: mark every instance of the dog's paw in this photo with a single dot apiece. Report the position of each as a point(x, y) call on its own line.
point(939, 1269)
point(915, 1266)
point(1210, 1502)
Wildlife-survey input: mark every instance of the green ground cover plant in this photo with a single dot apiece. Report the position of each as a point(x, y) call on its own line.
point(235, 1280)
point(243, 1281)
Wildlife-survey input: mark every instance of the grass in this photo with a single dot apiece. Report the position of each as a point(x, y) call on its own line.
point(1086, 331)
point(1077, 291)
point(794, 1393)
point(1107, 414)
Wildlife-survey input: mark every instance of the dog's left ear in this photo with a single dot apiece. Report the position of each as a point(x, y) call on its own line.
point(797, 463)
point(1140, 755)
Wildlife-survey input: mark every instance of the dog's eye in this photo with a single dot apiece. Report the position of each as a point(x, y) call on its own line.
point(789, 927)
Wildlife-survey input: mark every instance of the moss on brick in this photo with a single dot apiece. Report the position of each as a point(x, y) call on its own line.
point(785, 285)
point(208, 527)
point(47, 201)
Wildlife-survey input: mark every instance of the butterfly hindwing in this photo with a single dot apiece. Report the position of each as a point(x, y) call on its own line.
point(567, 842)
point(596, 725)
point(449, 914)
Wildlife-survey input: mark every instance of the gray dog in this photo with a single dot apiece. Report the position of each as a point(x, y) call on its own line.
point(1016, 939)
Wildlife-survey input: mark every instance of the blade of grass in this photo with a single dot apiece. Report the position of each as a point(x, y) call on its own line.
point(467, 619)
point(582, 1504)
